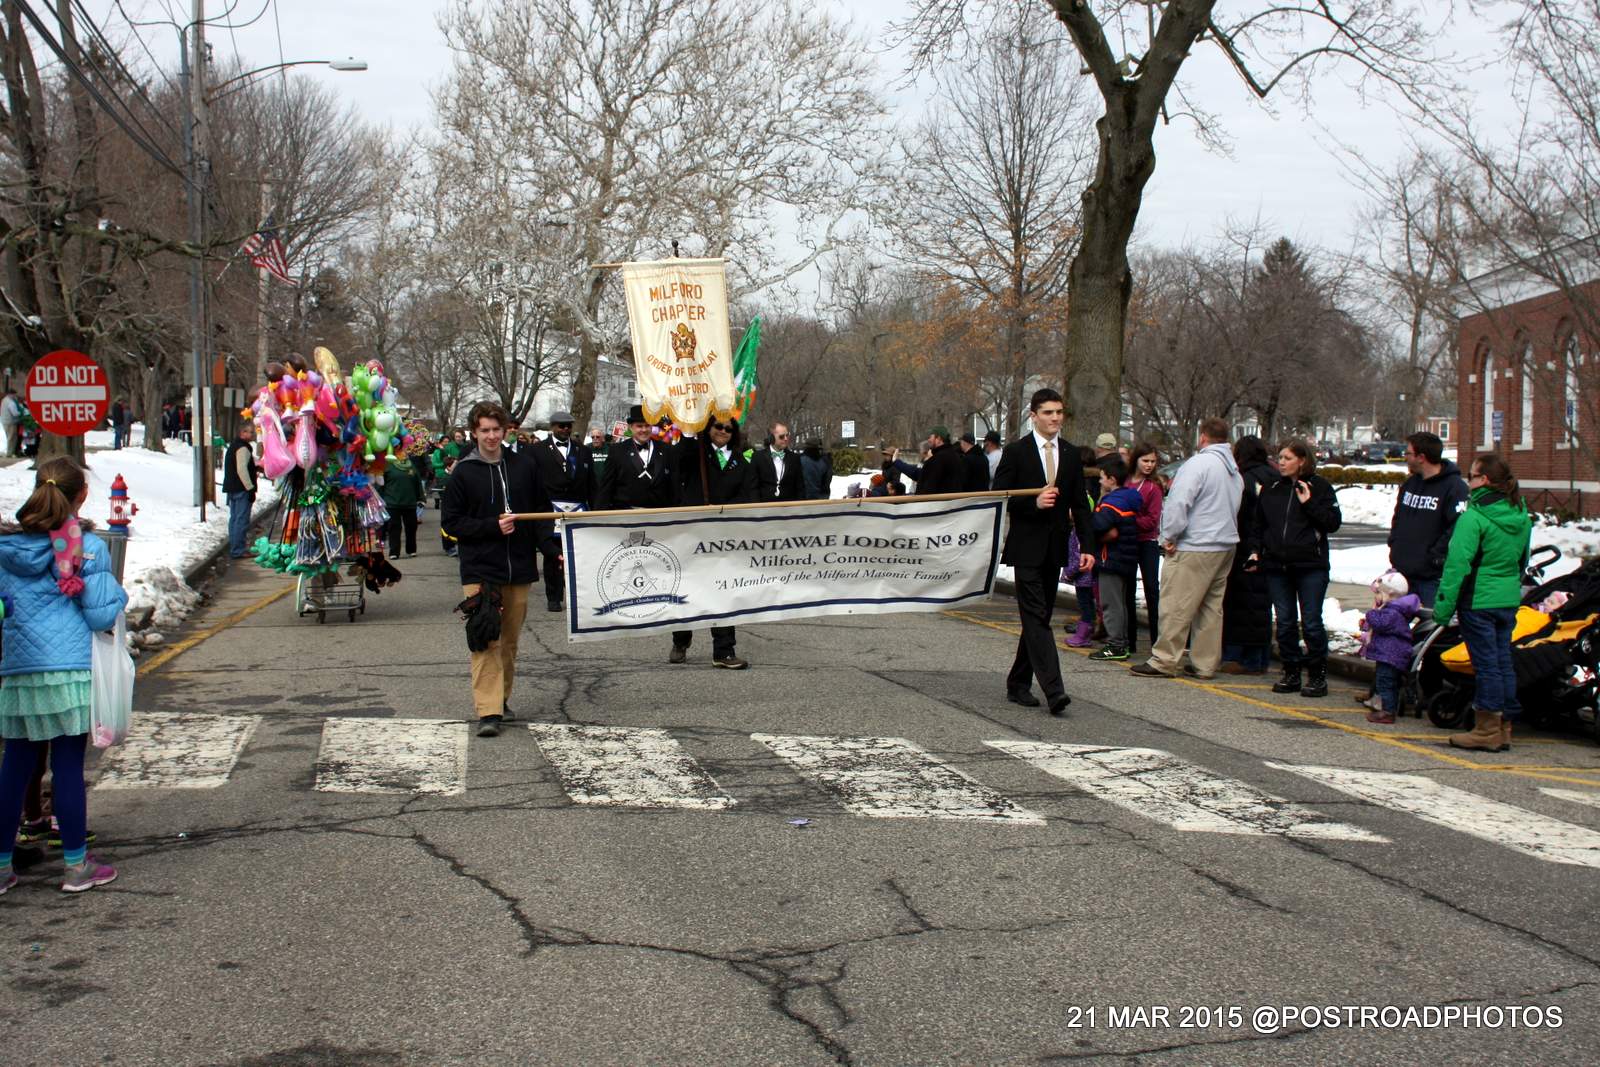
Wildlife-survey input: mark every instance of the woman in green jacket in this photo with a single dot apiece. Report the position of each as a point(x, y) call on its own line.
point(1483, 579)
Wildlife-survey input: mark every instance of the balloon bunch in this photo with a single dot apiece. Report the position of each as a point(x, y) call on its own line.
point(327, 438)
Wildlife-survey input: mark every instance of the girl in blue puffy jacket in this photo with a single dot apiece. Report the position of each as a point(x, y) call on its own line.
point(58, 590)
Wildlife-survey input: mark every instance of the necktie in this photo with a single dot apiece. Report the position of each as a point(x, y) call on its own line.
point(722, 458)
point(1049, 463)
point(572, 458)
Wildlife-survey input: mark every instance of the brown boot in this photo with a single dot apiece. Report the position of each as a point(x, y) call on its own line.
point(1505, 734)
point(1484, 735)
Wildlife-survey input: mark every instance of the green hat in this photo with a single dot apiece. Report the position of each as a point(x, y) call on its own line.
point(941, 432)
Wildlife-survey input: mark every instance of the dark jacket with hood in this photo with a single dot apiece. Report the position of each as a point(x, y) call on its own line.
point(1116, 520)
point(1425, 514)
point(478, 493)
point(1286, 533)
point(943, 473)
point(1247, 603)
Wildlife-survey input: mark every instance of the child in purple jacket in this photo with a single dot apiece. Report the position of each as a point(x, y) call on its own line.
point(1386, 640)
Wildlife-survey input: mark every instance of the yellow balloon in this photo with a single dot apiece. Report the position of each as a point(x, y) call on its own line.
point(327, 365)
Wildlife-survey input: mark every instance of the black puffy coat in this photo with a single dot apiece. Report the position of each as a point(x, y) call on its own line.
point(1287, 533)
point(1247, 605)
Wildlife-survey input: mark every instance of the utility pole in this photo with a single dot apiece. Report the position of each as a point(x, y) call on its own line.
point(261, 301)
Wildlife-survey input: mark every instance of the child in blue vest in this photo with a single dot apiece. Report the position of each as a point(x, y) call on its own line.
point(1116, 524)
point(58, 590)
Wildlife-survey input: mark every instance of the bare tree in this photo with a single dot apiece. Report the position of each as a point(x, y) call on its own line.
point(615, 127)
point(1413, 241)
point(991, 197)
point(1270, 46)
point(1528, 208)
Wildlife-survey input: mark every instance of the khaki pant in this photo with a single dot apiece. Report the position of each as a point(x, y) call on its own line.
point(495, 668)
point(1192, 585)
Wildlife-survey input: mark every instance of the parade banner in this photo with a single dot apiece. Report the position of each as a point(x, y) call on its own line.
point(687, 570)
point(682, 357)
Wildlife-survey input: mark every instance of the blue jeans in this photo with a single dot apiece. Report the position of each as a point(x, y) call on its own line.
point(1387, 686)
point(118, 436)
point(1425, 588)
point(239, 505)
point(1297, 595)
point(1488, 635)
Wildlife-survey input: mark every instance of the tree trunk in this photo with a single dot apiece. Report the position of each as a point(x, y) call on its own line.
point(153, 440)
point(1100, 283)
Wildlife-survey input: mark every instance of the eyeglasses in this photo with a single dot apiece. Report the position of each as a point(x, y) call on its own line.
point(780, 437)
point(721, 426)
point(1476, 476)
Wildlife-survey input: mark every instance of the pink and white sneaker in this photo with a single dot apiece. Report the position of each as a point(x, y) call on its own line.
point(88, 874)
point(7, 880)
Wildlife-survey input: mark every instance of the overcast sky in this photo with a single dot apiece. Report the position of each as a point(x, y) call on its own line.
point(1282, 167)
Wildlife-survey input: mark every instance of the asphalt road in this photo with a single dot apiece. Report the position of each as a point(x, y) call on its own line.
point(269, 919)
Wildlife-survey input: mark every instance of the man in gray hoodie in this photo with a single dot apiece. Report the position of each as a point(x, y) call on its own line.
point(1199, 533)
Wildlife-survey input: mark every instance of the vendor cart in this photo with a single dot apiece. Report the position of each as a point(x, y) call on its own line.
point(331, 591)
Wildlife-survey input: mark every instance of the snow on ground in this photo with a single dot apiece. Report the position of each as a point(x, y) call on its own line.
point(166, 538)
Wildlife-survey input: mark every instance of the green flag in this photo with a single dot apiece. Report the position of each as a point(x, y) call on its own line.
point(744, 370)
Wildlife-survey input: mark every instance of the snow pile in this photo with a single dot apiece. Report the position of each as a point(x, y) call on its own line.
point(1367, 505)
point(167, 538)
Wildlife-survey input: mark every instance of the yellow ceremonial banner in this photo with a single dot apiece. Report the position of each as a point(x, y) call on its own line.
point(678, 314)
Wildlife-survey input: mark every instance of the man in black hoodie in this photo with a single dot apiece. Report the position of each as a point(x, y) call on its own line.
point(488, 485)
point(1425, 514)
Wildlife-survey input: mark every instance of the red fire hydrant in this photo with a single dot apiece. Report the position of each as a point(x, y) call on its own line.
point(123, 510)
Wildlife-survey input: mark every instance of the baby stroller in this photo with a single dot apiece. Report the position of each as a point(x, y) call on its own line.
point(1555, 655)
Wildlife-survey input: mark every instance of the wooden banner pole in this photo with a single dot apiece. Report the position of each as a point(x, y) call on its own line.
point(717, 509)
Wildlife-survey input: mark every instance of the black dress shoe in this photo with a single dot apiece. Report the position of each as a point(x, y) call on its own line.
point(552, 605)
point(678, 654)
point(1145, 670)
point(489, 726)
point(1023, 697)
point(1058, 706)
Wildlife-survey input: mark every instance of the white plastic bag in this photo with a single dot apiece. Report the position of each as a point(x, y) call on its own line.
point(111, 700)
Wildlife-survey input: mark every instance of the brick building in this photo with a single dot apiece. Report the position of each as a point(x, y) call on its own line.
point(1528, 387)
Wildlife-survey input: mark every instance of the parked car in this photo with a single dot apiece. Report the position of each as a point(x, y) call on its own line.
point(1376, 452)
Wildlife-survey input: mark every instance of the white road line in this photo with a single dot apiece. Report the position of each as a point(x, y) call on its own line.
point(176, 751)
point(1158, 785)
point(417, 756)
point(1516, 828)
point(626, 767)
point(1577, 796)
point(890, 778)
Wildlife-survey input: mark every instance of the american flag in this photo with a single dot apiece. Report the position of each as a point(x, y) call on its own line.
point(265, 249)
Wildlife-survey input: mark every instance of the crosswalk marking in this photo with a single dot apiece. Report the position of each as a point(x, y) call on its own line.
point(890, 778)
point(638, 768)
point(1159, 786)
point(176, 751)
point(413, 756)
point(1515, 828)
point(1577, 796)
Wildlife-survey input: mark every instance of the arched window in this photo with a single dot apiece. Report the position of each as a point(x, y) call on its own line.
point(1488, 398)
point(1525, 421)
point(1569, 391)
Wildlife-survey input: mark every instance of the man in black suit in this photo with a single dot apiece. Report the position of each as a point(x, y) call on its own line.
point(567, 469)
point(638, 471)
point(1036, 544)
point(778, 472)
point(729, 479)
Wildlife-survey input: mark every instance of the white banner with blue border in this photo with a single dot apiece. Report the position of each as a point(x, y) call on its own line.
point(661, 570)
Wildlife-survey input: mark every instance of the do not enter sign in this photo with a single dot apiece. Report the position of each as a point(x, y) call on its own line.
point(67, 393)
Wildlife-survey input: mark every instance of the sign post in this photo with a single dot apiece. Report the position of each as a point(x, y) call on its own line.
point(67, 393)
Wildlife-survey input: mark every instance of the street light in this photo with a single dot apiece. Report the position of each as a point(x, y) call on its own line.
point(239, 81)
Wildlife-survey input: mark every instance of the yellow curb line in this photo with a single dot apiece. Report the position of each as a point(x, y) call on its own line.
point(1383, 739)
point(174, 651)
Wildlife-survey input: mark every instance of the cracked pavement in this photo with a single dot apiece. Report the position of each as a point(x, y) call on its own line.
point(263, 922)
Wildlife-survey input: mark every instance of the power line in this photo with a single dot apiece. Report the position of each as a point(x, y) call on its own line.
point(97, 36)
point(144, 142)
